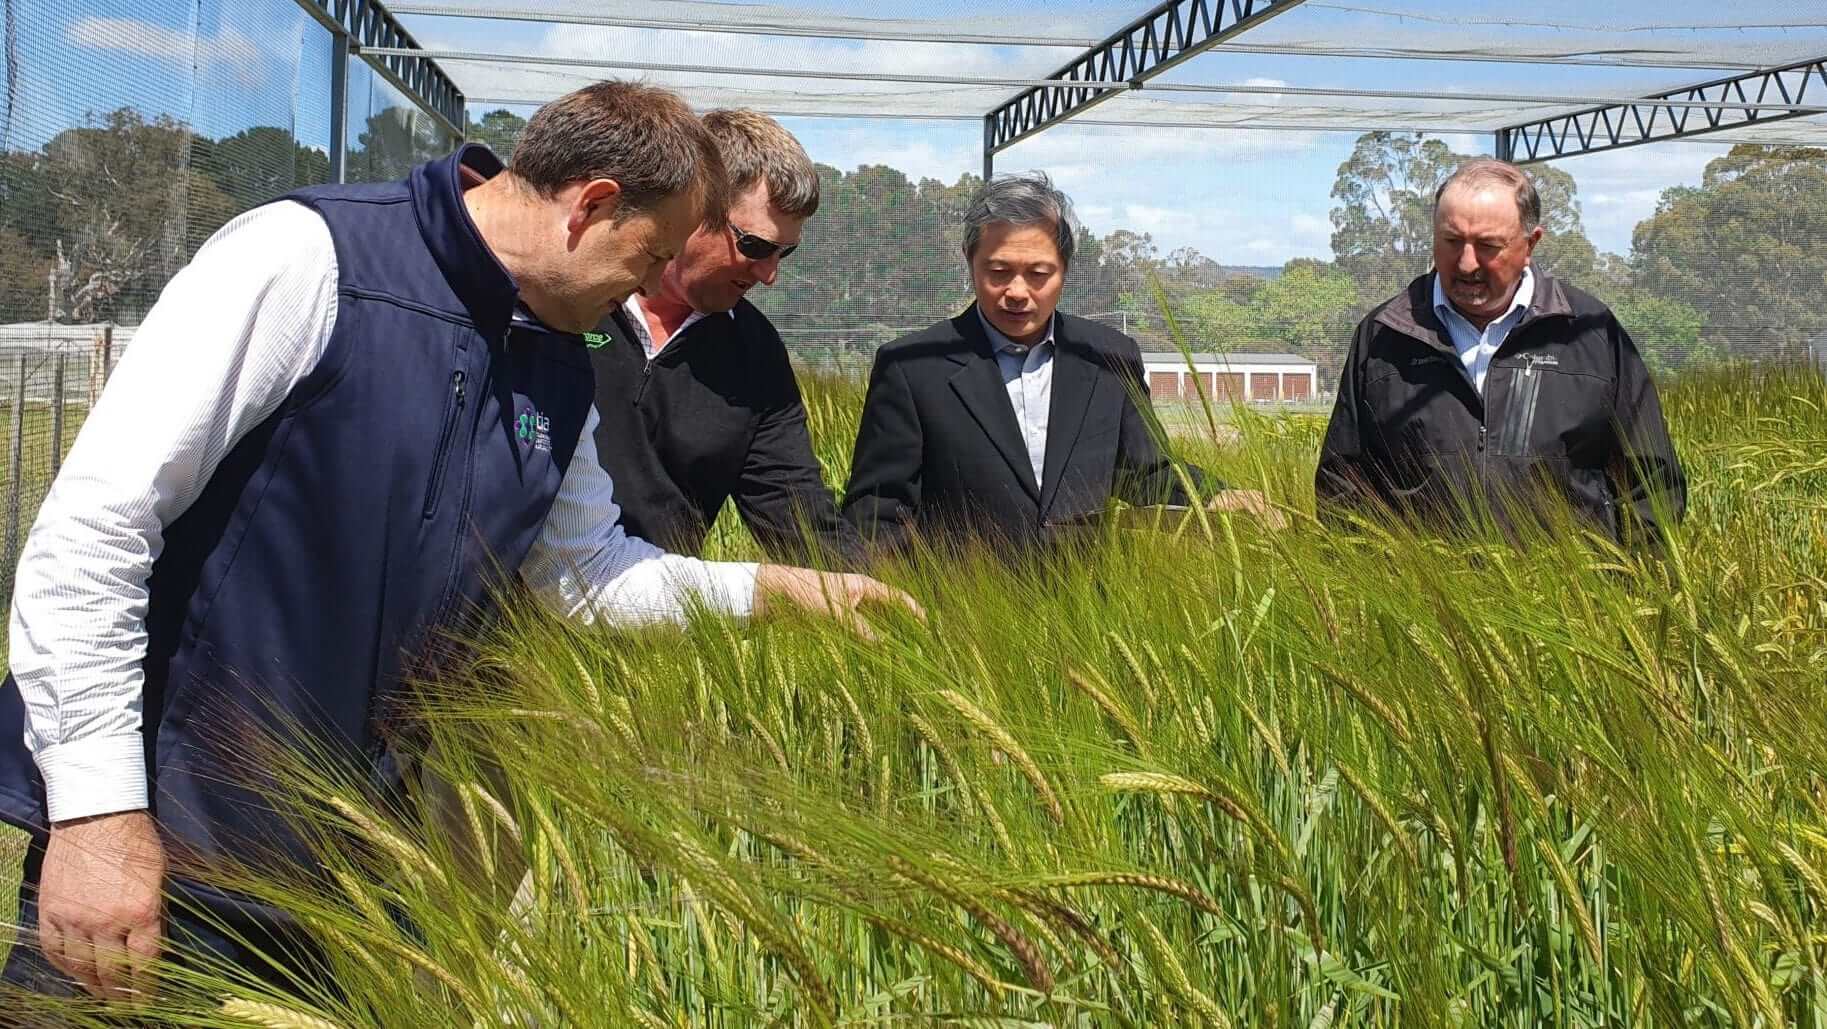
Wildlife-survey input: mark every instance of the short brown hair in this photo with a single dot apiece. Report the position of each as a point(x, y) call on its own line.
point(756, 148)
point(1487, 171)
point(645, 138)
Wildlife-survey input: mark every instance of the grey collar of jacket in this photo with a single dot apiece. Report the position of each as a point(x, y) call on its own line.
point(1412, 313)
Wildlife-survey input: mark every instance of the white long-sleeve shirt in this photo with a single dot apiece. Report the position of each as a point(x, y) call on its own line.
point(229, 338)
point(1477, 346)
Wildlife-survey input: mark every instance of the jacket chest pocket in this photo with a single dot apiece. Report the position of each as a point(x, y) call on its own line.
point(1414, 407)
point(1549, 413)
point(455, 400)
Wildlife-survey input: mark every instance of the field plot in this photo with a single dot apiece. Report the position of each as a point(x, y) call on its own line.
point(1315, 779)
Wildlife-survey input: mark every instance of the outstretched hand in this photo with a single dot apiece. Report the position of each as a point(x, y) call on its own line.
point(1251, 502)
point(833, 595)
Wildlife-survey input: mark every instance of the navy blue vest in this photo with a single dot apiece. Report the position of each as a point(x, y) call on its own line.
point(373, 510)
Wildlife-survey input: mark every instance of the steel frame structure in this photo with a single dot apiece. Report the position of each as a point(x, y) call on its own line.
point(356, 25)
point(1754, 98)
point(1172, 32)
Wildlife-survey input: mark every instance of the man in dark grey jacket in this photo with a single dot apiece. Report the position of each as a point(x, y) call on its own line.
point(1488, 386)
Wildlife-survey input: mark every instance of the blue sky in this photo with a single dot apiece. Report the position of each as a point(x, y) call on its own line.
point(1240, 197)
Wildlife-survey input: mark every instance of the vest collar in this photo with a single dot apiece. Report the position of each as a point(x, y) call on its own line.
point(485, 288)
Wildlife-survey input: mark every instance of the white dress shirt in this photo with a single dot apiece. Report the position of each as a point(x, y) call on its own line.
point(1027, 373)
point(1476, 347)
point(637, 315)
point(229, 338)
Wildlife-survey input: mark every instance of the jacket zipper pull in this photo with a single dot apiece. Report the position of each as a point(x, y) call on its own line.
point(1481, 433)
point(456, 385)
point(646, 374)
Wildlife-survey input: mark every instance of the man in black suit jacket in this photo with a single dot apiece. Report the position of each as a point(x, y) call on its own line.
point(1011, 421)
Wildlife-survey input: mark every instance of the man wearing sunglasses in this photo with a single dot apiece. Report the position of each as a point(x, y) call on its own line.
point(698, 401)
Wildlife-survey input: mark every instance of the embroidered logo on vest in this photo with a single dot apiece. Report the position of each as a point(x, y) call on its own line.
point(533, 429)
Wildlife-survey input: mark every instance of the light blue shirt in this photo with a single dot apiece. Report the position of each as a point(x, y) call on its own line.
point(1476, 348)
point(1027, 373)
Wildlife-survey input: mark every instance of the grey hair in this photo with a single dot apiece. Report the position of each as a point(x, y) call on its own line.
point(1021, 200)
point(1487, 171)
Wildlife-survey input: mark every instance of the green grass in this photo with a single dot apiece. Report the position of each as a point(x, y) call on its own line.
point(1307, 779)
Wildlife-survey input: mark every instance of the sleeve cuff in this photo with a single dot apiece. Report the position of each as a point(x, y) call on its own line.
point(99, 776)
point(735, 586)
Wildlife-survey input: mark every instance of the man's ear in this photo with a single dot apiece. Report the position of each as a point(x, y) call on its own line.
point(598, 199)
point(1535, 237)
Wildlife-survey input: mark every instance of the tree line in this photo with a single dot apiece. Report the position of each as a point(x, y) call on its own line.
point(98, 219)
point(93, 223)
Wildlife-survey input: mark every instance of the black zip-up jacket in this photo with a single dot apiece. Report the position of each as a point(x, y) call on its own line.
point(716, 415)
point(1568, 411)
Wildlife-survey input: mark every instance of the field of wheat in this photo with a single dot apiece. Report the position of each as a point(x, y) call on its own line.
point(1218, 777)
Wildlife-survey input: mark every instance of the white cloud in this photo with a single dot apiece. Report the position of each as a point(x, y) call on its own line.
point(1635, 199)
point(228, 46)
point(1236, 195)
point(1620, 188)
point(700, 50)
point(917, 158)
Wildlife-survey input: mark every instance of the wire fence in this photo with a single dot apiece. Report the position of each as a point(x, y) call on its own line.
point(49, 379)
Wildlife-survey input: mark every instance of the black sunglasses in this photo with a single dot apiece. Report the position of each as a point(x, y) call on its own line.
point(757, 248)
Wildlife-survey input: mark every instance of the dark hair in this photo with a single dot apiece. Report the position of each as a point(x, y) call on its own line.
point(756, 148)
point(1487, 171)
point(1021, 200)
point(645, 138)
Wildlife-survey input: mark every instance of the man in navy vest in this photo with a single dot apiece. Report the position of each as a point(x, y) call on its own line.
point(340, 420)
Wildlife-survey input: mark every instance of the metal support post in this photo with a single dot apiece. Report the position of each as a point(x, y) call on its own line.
point(339, 106)
point(16, 464)
point(364, 24)
point(989, 147)
point(57, 412)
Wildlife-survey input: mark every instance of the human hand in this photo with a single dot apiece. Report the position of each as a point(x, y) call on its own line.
point(828, 594)
point(1250, 502)
point(100, 903)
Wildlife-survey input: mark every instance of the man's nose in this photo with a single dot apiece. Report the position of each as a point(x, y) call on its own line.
point(767, 271)
point(1468, 259)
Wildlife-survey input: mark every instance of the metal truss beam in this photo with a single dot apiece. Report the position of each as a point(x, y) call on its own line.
point(1172, 32)
point(1754, 98)
point(1244, 88)
point(365, 24)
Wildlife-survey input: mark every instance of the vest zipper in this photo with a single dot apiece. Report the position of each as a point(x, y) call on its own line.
point(452, 414)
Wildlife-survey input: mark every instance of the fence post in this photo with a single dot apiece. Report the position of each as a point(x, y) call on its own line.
point(17, 466)
point(107, 352)
point(57, 413)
